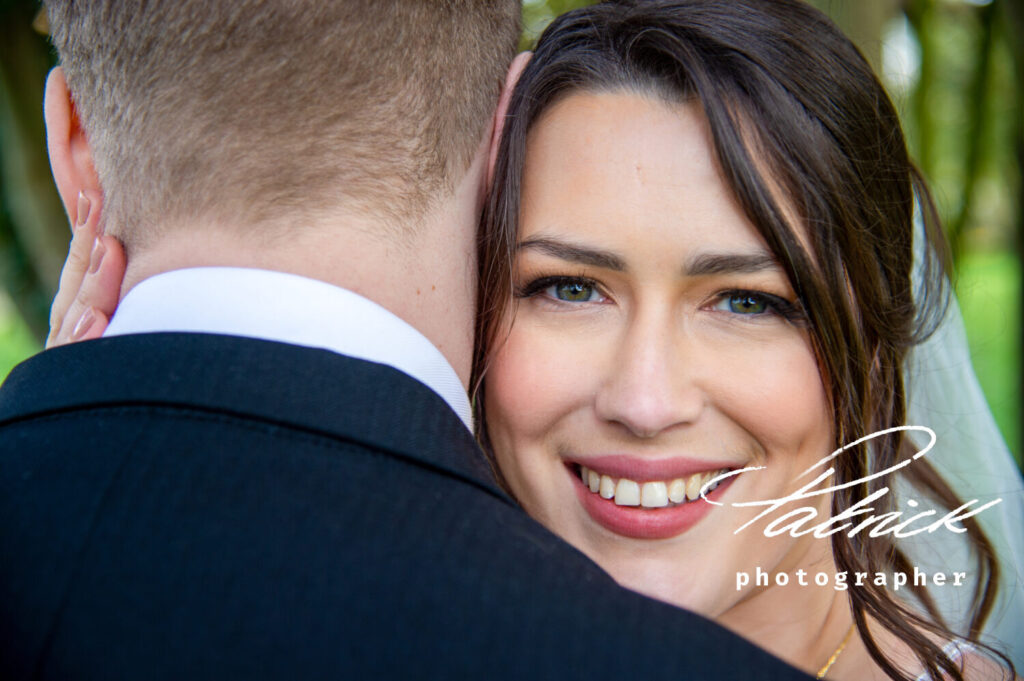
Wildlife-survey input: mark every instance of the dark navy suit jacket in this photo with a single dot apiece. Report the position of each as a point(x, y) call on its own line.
point(187, 506)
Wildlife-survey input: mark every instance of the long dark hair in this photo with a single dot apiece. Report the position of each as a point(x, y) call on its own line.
point(791, 104)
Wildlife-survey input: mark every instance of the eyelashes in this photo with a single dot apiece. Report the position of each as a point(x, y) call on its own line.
point(743, 299)
point(749, 303)
point(564, 289)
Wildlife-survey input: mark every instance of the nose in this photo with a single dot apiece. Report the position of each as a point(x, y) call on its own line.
point(650, 384)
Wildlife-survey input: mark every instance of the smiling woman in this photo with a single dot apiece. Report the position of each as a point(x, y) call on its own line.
point(697, 265)
point(651, 308)
point(656, 342)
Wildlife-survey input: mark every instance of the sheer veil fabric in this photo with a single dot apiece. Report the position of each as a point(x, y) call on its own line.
point(943, 393)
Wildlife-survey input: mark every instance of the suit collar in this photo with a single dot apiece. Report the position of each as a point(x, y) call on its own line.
point(288, 308)
point(304, 388)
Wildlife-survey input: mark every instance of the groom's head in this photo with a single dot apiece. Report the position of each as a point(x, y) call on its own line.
point(253, 111)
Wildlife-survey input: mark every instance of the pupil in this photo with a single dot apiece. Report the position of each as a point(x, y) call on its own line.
point(575, 291)
point(747, 304)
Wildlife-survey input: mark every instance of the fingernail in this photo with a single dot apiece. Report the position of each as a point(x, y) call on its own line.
point(96, 257)
point(84, 206)
point(85, 323)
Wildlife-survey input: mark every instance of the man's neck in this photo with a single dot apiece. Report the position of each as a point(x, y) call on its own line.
point(426, 275)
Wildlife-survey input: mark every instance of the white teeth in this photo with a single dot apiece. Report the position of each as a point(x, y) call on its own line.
point(693, 487)
point(627, 493)
point(654, 495)
point(677, 491)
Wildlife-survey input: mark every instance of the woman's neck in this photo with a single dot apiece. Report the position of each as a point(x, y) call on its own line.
point(802, 623)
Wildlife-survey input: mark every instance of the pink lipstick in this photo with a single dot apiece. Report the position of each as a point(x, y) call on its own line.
point(645, 498)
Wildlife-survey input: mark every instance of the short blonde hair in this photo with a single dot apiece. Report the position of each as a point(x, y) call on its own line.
point(254, 110)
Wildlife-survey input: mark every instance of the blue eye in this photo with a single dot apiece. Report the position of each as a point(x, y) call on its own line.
point(562, 289)
point(747, 303)
point(760, 305)
point(572, 291)
point(754, 304)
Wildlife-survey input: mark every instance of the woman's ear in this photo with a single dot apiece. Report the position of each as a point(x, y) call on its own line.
point(68, 148)
point(514, 71)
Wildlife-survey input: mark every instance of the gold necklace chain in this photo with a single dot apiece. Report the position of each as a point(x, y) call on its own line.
point(835, 656)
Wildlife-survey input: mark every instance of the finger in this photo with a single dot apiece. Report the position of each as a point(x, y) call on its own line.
point(63, 321)
point(77, 264)
point(99, 291)
point(93, 324)
point(90, 324)
point(101, 288)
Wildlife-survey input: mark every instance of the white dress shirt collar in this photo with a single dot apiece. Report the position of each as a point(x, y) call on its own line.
point(287, 308)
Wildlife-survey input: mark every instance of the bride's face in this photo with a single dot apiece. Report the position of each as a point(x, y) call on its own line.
point(655, 341)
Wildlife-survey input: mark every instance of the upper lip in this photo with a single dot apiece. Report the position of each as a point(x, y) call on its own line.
point(644, 468)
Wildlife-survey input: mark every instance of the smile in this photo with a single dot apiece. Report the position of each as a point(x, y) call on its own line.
point(645, 508)
point(650, 494)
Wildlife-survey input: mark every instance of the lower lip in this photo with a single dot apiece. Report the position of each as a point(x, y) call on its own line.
point(638, 522)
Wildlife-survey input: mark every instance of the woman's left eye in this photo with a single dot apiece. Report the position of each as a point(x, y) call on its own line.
point(745, 303)
point(749, 303)
point(757, 305)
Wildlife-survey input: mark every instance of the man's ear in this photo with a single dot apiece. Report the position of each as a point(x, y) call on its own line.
point(514, 71)
point(69, 150)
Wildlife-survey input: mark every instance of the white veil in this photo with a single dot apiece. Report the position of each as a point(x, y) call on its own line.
point(943, 393)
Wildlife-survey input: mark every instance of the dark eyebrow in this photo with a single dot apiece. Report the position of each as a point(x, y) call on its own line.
point(731, 263)
point(704, 264)
point(571, 253)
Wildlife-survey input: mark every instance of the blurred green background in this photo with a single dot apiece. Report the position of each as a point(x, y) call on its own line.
point(954, 67)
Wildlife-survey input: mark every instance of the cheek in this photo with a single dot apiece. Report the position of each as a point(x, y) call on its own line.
point(802, 396)
point(531, 384)
point(780, 399)
point(529, 392)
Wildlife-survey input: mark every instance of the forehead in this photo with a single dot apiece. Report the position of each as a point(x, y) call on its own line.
point(629, 168)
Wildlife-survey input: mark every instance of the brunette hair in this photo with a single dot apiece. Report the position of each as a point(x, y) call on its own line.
point(793, 109)
point(257, 109)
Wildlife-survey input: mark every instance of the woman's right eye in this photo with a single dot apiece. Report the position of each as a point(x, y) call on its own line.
point(572, 291)
point(563, 289)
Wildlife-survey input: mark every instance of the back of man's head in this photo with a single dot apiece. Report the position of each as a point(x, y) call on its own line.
point(253, 111)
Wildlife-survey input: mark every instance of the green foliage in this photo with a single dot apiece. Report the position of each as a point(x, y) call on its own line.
point(961, 120)
point(16, 342)
point(33, 227)
point(987, 287)
point(537, 14)
point(963, 117)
